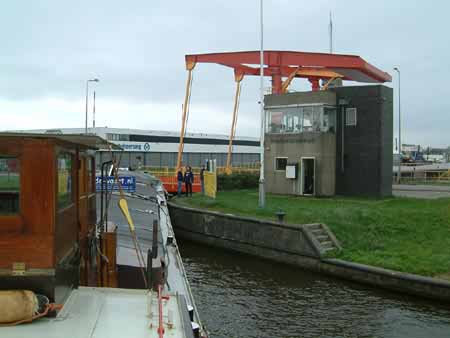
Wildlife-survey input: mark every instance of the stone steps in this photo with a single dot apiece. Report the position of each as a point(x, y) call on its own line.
point(316, 226)
point(327, 244)
point(324, 237)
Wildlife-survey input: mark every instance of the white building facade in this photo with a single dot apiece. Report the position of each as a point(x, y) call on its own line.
point(153, 148)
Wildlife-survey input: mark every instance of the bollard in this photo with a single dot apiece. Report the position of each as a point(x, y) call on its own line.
point(280, 215)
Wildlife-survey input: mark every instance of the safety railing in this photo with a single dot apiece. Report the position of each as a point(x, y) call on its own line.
point(171, 171)
point(170, 183)
point(423, 180)
point(168, 176)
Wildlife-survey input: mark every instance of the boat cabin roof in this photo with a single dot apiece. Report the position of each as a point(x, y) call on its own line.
point(88, 141)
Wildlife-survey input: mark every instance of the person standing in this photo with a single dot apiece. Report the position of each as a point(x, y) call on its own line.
point(180, 181)
point(202, 179)
point(188, 180)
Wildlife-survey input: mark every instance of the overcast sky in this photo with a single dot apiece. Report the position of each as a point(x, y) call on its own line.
point(50, 47)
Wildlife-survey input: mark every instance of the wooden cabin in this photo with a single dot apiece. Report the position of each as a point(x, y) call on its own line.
point(47, 212)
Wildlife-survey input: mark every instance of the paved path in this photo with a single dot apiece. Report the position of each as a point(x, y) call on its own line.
point(421, 191)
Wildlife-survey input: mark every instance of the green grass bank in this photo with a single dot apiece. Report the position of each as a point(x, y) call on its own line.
point(404, 234)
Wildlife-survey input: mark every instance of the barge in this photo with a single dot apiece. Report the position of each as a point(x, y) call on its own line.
point(64, 271)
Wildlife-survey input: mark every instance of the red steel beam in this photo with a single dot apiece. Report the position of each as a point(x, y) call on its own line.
point(280, 64)
point(285, 71)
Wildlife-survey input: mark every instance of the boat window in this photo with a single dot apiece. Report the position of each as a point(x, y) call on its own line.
point(9, 185)
point(64, 179)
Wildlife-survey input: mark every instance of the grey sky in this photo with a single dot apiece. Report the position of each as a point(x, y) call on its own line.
point(137, 48)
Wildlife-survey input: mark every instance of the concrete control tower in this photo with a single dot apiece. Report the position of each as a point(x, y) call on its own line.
point(336, 141)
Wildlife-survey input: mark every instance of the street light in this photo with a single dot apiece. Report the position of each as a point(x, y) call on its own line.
point(262, 193)
point(87, 93)
point(399, 173)
point(93, 114)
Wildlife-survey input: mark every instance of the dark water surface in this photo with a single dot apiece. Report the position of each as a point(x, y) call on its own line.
point(242, 296)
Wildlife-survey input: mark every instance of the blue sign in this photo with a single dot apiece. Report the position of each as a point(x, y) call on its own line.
point(128, 183)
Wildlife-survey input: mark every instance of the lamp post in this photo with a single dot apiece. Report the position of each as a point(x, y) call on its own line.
point(87, 93)
point(399, 173)
point(262, 193)
point(93, 114)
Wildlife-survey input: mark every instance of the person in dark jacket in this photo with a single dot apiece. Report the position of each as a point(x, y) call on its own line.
point(188, 180)
point(180, 181)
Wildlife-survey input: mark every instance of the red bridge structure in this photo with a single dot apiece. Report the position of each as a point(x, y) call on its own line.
point(282, 67)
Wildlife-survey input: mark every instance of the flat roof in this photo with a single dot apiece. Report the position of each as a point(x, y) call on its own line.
point(88, 141)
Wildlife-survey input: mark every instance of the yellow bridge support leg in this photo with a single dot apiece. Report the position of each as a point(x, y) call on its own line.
point(189, 66)
point(238, 79)
point(287, 82)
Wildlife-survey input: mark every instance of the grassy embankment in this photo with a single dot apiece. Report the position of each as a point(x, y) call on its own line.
point(403, 234)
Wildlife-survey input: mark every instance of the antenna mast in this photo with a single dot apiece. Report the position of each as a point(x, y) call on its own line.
point(331, 33)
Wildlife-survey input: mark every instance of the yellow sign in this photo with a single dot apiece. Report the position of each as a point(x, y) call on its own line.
point(210, 184)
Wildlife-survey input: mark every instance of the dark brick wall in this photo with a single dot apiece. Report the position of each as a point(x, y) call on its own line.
point(368, 145)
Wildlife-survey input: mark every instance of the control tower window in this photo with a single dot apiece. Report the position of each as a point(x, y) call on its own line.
point(308, 119)
point(350, 117)
point(329, 120)
point(280, 163)
point(300, 119)
point(9, 185)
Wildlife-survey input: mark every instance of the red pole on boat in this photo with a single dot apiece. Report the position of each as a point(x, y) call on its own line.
point(161, 324)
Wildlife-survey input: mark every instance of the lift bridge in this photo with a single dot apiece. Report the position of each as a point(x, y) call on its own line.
point(282, 67)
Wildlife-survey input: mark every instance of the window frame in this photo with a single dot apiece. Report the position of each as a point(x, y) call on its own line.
point(347, 112)
point(282, 158)
point(290, 119)
point(331, 127)
point(19, 159)
point(73, 173)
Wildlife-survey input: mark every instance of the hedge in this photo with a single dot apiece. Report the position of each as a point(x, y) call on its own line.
point(237, 181)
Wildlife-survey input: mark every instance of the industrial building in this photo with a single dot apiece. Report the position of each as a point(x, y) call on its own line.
point(159, 148)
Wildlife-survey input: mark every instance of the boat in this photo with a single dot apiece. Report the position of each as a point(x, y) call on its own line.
point(64, 271)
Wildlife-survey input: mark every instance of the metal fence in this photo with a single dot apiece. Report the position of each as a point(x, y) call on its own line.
point(423, 178)
point(171, 171)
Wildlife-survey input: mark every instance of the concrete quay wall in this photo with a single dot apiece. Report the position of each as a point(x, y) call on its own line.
point(293, 245)
point(244, 234)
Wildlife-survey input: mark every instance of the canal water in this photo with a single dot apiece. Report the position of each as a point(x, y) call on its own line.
point(242, 296)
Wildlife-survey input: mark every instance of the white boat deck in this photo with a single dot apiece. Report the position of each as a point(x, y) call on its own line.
point(107, 313)
point(114, 312)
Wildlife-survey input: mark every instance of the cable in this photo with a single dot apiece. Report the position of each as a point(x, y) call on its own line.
point(137, 246)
